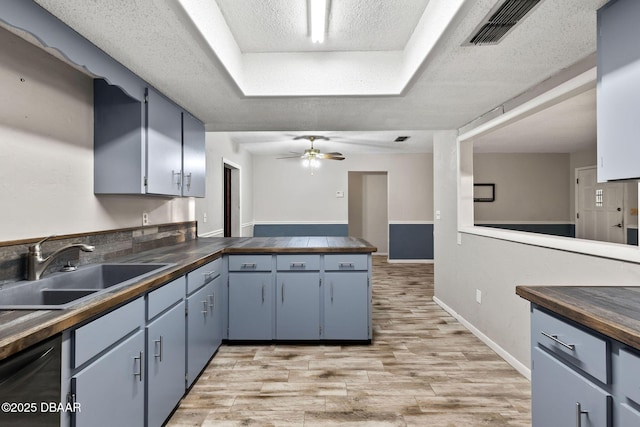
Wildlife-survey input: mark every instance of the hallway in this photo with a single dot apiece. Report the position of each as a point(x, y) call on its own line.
point(423, 369)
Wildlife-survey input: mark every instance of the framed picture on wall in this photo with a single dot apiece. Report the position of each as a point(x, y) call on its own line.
point(484, 192)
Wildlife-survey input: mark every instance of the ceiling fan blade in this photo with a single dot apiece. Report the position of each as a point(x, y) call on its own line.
point(329, 156)
point(297, 156)
point(333, 154)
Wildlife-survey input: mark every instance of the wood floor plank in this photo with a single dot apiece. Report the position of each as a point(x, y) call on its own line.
point(422, 369)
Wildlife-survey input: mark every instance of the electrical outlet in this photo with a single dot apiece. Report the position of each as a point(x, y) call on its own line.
point(478, 296)
point(145, 218)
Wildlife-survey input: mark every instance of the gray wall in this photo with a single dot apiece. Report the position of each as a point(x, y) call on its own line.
point(467, 262)
point(46, 160)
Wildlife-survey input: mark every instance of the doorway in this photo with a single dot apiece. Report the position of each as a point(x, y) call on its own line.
point(231, 199)
point(368, 208)
point(599, 208)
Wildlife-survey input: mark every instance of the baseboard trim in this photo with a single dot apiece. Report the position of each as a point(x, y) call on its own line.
point(517, 365)
point(409, 261)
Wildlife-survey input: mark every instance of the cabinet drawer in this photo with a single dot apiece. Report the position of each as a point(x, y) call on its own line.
point(298, 262)
point(630, 379)
point(164, 297)
point(577, 347)
point(100, 334)
point(249, 262)
point(204, 274)
point(346, 262)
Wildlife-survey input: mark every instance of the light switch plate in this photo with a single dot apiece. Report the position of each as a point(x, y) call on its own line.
point(339, 194)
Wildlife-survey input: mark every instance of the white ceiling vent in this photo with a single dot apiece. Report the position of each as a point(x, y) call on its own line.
point(500, 21)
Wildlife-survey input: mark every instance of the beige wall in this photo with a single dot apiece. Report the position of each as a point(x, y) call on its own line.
point(46, 159)
point(220, 147)
point(367, 205)
point(283, 191)
point(529, 187)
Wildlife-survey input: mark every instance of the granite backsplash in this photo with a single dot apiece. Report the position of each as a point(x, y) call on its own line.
point(108, 245)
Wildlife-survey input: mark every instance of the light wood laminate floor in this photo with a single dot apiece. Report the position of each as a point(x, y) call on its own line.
point(423, 369)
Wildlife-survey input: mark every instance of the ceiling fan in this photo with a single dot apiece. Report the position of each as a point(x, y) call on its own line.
point(312, 156)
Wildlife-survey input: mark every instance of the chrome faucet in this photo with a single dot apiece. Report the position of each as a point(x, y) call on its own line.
point(36, 264)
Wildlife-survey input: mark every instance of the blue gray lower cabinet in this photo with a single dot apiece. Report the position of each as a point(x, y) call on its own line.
point(251, 299)
point(110, 387)
point(165, 363)
point(298, 306)
point(204, 327)
point(346, 306)
point(299, 297)
point(580, 377)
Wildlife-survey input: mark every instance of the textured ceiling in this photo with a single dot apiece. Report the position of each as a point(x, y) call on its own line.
point(354, 25)
point(455, 84)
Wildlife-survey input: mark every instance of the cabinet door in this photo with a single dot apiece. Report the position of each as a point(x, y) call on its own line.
point(250, 306)
point(193, 156)
point(556, 390)
point(346, 302)
point(200, 343)
point(298, 306)
point(618, 90)
point(165, 364)
point(164, 146)
point(111, 389)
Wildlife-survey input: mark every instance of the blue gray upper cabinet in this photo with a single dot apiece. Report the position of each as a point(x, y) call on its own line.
point(164, 146)
point(618, 90)
point(139, 146)
point(193, 157)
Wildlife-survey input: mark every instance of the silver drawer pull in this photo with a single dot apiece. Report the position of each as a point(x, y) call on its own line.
point(249, 265)
point(346, 265)
point(209, 275)
point(579, 413)
point(297, 265)
point(555, 339)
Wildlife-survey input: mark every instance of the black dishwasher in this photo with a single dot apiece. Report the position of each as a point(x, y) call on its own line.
point(30, 385)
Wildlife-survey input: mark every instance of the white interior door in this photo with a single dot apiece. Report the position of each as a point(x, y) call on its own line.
point(600, 208)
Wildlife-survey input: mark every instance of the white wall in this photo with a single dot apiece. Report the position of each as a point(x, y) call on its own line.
point(286, 192)
point(46, 159)
point(220, 147)
point(530, 187)
point(467, 262)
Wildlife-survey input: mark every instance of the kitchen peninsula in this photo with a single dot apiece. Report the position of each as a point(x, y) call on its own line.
point(147, 342)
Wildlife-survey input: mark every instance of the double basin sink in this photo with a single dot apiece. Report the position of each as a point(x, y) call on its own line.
point(63, 290)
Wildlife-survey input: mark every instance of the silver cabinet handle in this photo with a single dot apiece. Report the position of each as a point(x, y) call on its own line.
point(178, 176)
point(331, 291)
point(204, 311)
point(140, 359)
point(579, 413)
point(282, 292)
point(187, 179)
point(209, 275)
point(263, 293)
point(252, 265)
point(346, 265)
point(212, 301)
point(297, 265)
point(159, 354)
point(555, 339)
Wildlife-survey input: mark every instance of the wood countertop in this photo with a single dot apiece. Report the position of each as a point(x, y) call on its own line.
point(20, 329)
point(613, 311)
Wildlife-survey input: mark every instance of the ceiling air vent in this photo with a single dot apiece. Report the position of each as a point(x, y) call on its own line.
point(499, 22)
point(401, 139)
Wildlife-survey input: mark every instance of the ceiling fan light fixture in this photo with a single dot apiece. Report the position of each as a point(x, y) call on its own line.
point(318, 19)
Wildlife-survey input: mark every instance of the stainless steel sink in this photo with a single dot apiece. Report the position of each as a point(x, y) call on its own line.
point(63, 290)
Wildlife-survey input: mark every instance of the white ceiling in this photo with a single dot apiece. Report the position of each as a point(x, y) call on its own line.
point(453, 85)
